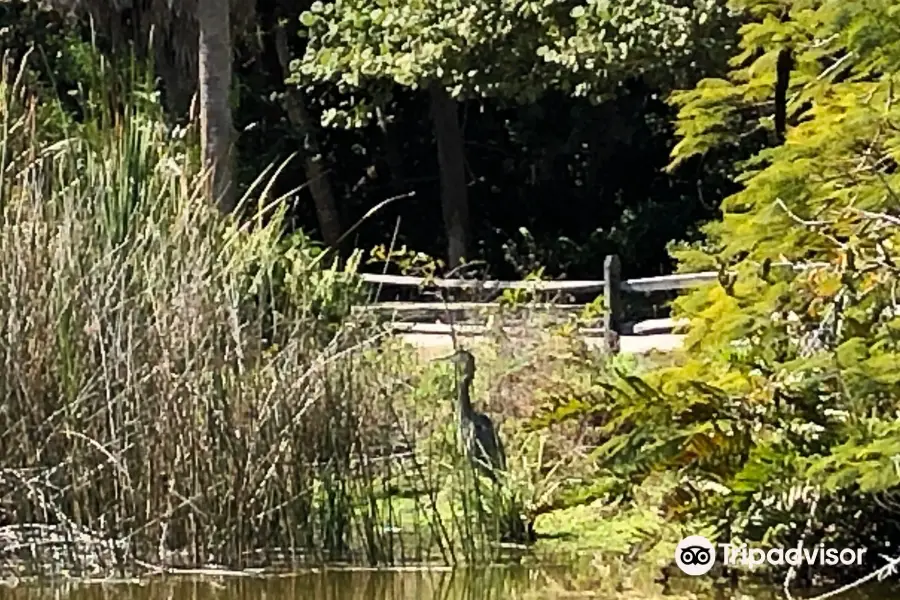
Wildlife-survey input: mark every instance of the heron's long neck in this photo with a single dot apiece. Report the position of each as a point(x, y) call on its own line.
point(464, 401)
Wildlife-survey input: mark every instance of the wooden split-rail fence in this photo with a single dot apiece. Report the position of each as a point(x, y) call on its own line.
point(424, 317)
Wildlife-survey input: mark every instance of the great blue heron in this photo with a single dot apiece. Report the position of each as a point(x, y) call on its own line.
point(479, 438)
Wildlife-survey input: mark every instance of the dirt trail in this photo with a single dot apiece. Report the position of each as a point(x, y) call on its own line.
point(432, 344)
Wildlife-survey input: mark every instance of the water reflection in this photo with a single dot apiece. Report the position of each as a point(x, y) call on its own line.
point(460, 584)
point(487, 584)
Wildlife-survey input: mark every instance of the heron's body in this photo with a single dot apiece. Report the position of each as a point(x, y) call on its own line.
point(485, 450)
point(483, 445)
point(477, 433)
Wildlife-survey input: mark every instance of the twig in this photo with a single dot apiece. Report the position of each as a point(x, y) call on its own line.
point(882, 572)
point(879, 216)
point(798, 218)
point(811, 224)
point(835, 66)
point(355, 226)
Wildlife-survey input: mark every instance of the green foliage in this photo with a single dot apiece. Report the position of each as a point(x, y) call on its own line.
point(802, 361)
point(831, 42)
point(409, 262)
point(510, 49)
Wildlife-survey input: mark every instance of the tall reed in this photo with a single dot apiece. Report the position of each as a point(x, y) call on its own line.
point(169, 379)
point(182, 387)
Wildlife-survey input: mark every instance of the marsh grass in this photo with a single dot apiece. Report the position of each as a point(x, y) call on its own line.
point(180, 388)
point(176, 387)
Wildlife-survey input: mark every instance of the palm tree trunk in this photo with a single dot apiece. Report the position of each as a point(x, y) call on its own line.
point(319, 184)
point(451, 162)
point(217, 130)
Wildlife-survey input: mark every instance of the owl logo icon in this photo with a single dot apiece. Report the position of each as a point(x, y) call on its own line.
point(695, 555)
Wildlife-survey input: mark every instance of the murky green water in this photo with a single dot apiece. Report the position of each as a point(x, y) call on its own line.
point(482, 584)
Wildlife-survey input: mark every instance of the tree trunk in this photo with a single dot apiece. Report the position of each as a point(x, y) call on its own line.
point(217, 131)
point(392, 155)
point(451, 163)
point(783, 67)
point(319, 185)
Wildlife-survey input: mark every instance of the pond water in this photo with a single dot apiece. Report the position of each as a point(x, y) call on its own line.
point(459, 584)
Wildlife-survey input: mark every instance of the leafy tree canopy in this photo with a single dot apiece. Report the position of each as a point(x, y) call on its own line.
point(831, 42)
point(512, 49)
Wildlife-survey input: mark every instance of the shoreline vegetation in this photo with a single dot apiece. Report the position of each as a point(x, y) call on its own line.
point(179, 390)
point(183, 391)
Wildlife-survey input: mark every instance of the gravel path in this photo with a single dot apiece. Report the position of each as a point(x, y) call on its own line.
point(433, 344)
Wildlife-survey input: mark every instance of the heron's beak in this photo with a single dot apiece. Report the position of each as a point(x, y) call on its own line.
point(445, 357)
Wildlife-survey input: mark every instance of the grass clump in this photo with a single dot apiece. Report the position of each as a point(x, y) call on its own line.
point(175, 385)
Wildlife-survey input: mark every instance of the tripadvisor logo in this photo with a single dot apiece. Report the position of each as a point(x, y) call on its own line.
point(812, 555)
point(696, 555)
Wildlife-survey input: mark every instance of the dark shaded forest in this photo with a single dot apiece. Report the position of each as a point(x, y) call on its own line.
point(556, 183)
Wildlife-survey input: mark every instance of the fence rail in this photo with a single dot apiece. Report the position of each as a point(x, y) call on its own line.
point(490, 285)
point(642, 284)
point(612, 286)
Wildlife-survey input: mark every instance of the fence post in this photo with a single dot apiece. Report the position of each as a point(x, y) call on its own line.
point(612, 290)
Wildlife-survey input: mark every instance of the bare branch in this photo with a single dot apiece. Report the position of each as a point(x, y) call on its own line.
point(879, 216)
